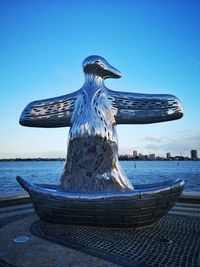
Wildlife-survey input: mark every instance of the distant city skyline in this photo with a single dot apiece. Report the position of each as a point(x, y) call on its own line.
point(135, 154)
point(155, 45)
point(128, 151)
point(168, 155)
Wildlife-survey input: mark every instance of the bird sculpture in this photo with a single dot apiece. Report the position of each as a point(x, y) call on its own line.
point(92, 114)
point(93, 188)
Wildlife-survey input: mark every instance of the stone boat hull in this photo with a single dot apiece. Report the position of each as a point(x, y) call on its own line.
point(139, 207)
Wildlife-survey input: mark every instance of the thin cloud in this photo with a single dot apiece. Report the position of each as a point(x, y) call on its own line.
point(63, 72)
point(182, 144)
point(194, 61)
point(184, 132)
point(155, 138)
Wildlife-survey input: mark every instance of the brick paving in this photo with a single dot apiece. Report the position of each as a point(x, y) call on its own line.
point(174, 240)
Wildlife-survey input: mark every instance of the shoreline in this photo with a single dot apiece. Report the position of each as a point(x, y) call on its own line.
point(121, 158)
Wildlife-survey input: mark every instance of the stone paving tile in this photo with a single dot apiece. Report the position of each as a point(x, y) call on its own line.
point(15, 207)
point(16, 212)
point(39, 252)
point(96, 246)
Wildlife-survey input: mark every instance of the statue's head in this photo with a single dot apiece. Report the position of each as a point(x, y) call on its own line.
point(98, 66)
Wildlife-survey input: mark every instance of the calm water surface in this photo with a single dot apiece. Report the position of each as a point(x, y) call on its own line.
point(138, 172)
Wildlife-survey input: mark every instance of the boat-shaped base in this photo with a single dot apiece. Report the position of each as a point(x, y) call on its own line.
point(139, 207)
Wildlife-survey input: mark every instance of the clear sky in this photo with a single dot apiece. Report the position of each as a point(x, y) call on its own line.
point(155, 45)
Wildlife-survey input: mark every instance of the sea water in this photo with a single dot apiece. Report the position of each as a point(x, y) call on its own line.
point(139, 172)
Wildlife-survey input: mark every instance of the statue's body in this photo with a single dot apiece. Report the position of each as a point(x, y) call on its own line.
point(92, 114)
point(92, 159)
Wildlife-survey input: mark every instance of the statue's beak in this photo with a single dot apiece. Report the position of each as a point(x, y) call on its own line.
point(111, 72)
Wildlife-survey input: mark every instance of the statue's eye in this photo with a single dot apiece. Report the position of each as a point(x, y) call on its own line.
point(102, 65)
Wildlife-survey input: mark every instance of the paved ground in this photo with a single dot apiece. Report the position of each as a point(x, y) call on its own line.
point(36, 251)
point(172, 241)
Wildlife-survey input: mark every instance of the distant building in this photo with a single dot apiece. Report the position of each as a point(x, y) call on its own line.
point(194, 154)
point(168, 155)
point(179, 158)
point(152, 156)
point(140, 156)
point(134, 154)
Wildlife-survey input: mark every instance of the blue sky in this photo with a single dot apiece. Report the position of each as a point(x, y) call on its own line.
point(155, 45)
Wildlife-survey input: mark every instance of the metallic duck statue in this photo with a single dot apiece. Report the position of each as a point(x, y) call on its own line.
point(92, 113)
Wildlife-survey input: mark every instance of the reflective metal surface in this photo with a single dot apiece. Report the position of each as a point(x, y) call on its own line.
point(92, 170)
point(92, 114)
point(137, 208)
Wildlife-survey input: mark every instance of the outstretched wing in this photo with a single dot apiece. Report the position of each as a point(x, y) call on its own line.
point(133, 108)
point(50, 113)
